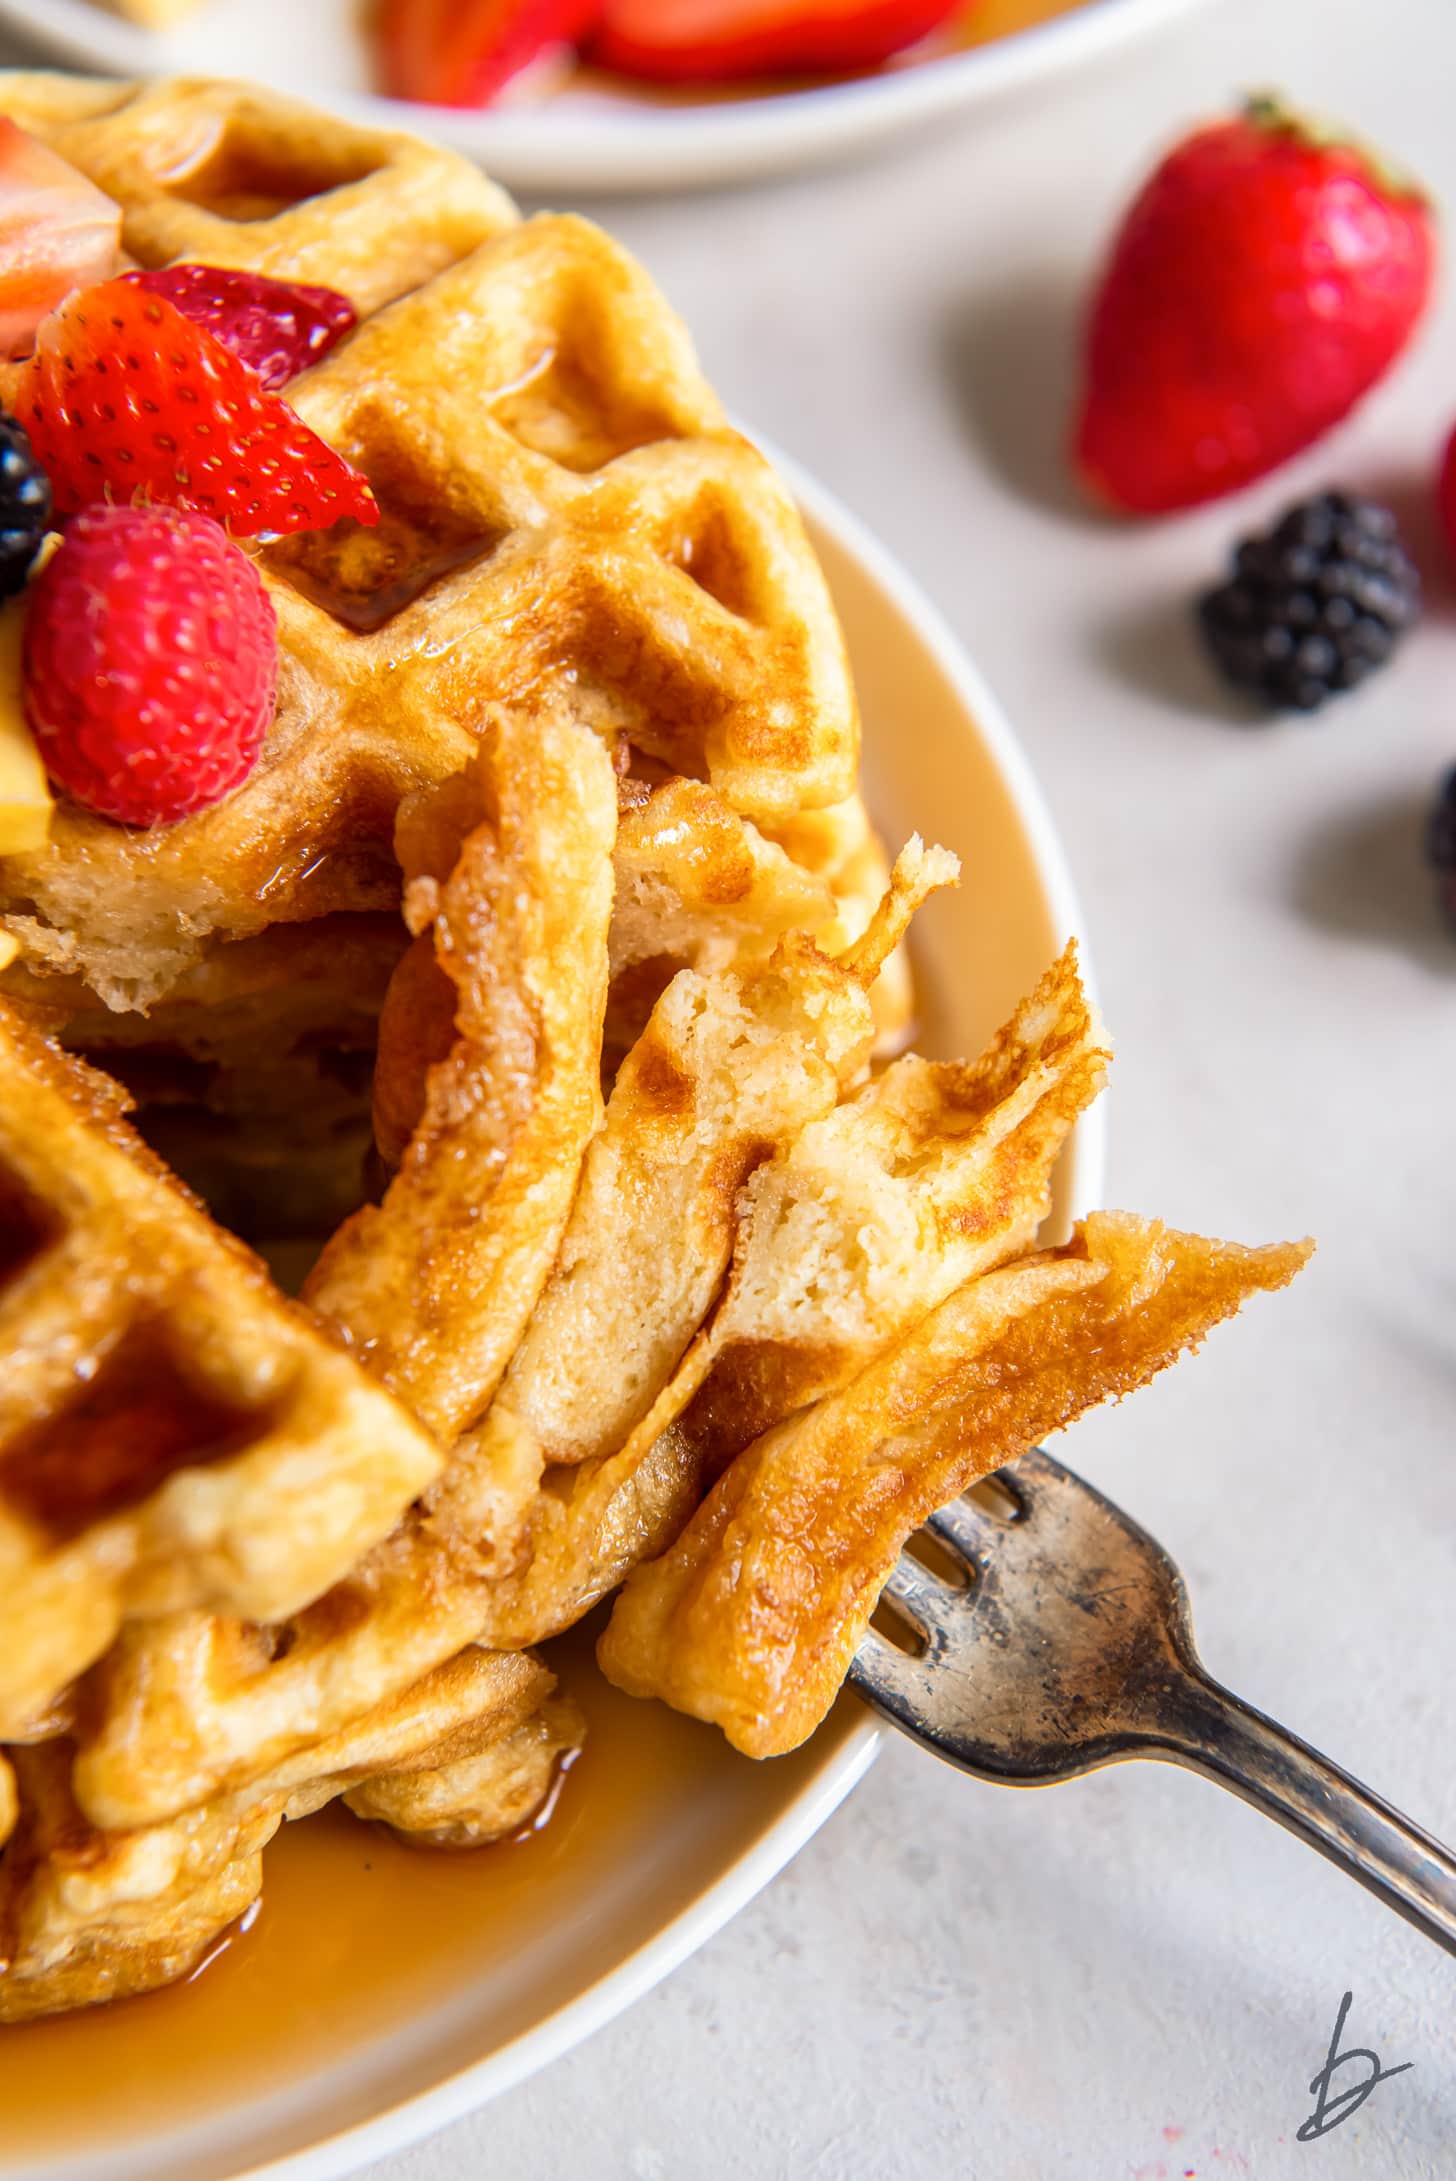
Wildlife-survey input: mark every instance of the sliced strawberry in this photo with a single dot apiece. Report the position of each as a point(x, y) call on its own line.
point(714, 41)
point(461, 52)
point(57, 232)
point(278, 327)
point(126, 399)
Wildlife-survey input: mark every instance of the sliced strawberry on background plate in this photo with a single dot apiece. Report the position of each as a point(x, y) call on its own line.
point(58, 231)
point(713, 41)
point(278, 327)
point(125, 399)
point(461, 52)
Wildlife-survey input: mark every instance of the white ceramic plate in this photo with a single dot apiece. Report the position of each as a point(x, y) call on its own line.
point(383, 1992)
point(600, 133)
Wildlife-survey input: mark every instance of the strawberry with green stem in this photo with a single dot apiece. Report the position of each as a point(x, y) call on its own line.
point(1266, 277)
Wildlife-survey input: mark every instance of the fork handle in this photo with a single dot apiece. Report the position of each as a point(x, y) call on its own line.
point(1214, 1732)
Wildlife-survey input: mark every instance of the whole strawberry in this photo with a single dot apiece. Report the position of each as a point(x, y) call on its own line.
point(1265, 278)
point(149, 663)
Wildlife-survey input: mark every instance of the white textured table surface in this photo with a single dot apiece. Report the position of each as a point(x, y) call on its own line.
point(1132, 1976)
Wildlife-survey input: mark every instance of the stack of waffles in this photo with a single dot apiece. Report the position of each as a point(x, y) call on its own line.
point(554, 867)
point(561, 502)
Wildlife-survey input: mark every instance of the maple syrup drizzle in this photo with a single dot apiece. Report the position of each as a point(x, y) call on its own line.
point(237, 1929)
point(354, 1934)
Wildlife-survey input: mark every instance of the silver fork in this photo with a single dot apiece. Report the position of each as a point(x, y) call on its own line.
point(1064, 1642)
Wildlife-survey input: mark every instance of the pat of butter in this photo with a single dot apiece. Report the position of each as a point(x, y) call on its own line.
point(25, 796)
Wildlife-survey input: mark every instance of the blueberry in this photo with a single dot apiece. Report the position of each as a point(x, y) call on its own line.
point(25, 506)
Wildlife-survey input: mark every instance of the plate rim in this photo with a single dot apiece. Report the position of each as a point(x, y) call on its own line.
point(643, 145)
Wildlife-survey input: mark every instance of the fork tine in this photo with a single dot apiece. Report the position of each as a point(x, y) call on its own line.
point(920, 1596)
point(1030, 1474)
point(969, 1528)
point(965, 1529)
point(889, 1676)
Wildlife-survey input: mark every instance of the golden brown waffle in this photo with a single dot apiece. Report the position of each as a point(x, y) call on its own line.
point(560, 498)
point(866, 1219)
point(752, 1618)
point(496, 1552)
point(225, 174)
point(198, 1733)
point(172, 1432)
point(252, 1077)
point(509, 868)
point(466, 1797)
point(580, 1469)
point(87, 1916)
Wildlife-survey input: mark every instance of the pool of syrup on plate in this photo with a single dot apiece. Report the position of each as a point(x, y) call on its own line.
point(355, 1932)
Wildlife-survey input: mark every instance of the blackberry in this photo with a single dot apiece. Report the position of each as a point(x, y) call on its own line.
point(25, 505)
point(1315, 605)
point(1441, 844)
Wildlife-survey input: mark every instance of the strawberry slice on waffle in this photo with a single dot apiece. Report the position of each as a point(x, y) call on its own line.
point(127, 399)
point(58, 231)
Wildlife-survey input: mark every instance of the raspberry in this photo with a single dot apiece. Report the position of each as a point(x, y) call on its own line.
point(277, 327)
point(149, 665)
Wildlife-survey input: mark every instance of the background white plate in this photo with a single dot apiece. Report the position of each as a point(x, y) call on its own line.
point(321, 2040)
point(593, 135)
